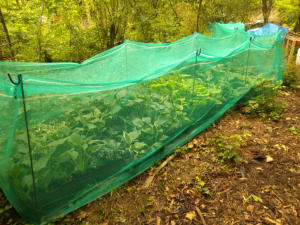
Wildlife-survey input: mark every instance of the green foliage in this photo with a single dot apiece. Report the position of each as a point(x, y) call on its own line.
point(294, 130)
point(264, 103)
point(74, 30)
point(291, 76)
point(101, 134)
point(289, 11)
point(200, 185)
point(228, 147)
point(254, 197)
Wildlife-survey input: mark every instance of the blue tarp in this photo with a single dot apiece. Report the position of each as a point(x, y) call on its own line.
point(269, 29)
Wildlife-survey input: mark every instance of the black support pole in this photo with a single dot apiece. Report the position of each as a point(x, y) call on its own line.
point(20, 82)
point(198, 52)
point(246, 74)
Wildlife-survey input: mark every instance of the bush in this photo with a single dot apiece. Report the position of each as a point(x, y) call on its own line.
point(291, 77)
point(264, 103)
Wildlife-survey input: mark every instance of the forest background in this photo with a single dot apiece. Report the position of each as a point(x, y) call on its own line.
point(75, 30)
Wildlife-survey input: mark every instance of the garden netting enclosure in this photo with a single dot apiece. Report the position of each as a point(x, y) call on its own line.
point(70, 132)
point(225, 29)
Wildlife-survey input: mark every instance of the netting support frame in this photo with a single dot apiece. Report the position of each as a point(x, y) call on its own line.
point(20, 82)
point(198, 53)
point(250, 41)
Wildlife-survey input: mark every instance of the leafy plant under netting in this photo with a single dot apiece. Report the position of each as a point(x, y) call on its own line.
point(92, 132)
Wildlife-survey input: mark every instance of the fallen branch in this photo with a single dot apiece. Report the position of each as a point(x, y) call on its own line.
point(201, 215)
point(150, 178)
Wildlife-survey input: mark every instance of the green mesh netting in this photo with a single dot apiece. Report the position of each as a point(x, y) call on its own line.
point(225, 29)
point(95, 125)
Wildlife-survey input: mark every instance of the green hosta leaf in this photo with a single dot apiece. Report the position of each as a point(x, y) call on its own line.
point(57, 142)
point(131, 136)
point(139, 145)
point(163, 137)
point(134, 134)
point(27, 180)
point(73, 154)
point(137, 122)
point(66, 130)
point(115, 109)
point(88, 116)
point(91, 126)
point(75, 138)
point(147, 120)
point(97, 112)
point(121, 94)
point(22, 137)
point(41, 163)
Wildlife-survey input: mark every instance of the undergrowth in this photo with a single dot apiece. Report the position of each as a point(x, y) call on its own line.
point(263, 101)
point(291, 77)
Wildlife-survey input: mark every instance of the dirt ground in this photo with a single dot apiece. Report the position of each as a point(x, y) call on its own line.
point(198, 187)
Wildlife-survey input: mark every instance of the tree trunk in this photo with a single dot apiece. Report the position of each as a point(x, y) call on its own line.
point(6, 34)
point(40, 33)
point(88, 13)
point(267, 6)
point(198, 15)
point(173, 9)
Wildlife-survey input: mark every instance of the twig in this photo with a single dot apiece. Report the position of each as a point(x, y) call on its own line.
point(201, 215)
point(150, 178)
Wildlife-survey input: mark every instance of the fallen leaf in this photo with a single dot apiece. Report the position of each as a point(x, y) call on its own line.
point(195, 142)
point(247, 217)
point(83, 214)
point(285, 148)
point(190, 215)
point(259, 168)
point(173, 222)
point(269, 159)
point(158, 220)
point(250, 208)
point(268, 220)
point(190, 145)
point(104, 223)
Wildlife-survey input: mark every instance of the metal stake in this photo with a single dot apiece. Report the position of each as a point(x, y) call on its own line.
point(246, 74)
point(20, 81)
point(198, 53)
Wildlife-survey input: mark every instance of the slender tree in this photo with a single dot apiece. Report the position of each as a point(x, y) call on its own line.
point(198, 14)
point(267, 6)
point(7, 34)
point(40, 32)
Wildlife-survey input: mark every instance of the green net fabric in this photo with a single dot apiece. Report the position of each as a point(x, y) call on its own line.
point(95, 125)
point(225, 29)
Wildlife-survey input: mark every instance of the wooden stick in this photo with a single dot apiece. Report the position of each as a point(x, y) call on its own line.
point(287, 47)
point(291, 52)
point(201, 215)
point(150, 178)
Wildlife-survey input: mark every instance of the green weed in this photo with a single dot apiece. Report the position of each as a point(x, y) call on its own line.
point(264, 103)
point(200, 185)
point(291, 77)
